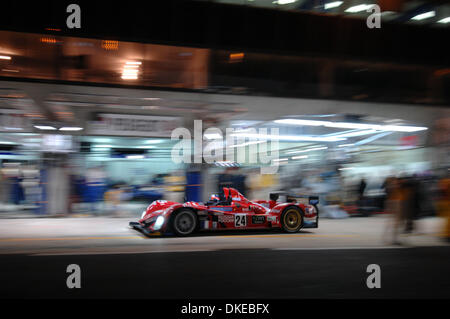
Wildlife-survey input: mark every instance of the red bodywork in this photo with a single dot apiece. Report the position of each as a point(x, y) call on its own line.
point(238, 213)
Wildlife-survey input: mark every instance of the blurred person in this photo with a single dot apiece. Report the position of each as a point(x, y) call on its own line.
point(361, 189)
point(412, 207)
point(443, 204)
point(4, 187)
point(394, 203)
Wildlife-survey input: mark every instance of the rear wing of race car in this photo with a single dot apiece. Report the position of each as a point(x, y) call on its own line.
point(292, 198)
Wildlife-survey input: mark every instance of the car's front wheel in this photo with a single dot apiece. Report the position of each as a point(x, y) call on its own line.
point(184, 222)
point(292, 219)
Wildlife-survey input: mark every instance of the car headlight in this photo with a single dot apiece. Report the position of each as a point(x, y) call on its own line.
point(159, 222)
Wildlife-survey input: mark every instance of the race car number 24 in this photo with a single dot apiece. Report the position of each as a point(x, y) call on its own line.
point(240, 220)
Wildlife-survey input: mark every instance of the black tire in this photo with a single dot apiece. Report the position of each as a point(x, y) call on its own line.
point(292, 219)
point(184, 222)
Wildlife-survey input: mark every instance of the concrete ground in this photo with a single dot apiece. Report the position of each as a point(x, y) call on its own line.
point(98, 235)
point(118, 262)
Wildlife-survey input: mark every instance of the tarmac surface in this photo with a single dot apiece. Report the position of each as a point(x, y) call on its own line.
point(118, 262)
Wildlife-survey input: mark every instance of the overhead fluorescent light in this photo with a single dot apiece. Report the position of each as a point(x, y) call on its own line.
point(359, 8)
point(248, 143)
point(45, 127)
point(334, 4)
point(292, 138)
point(424, 15)
point(71, 128)
point(153, 141)
point(345, 168)
point(284, 1)
point(346, 145)
point(127, 71)
point(349, 125)
point(5, 57)
point(135, 156)
point(299, 157)
point(131, 70)
point(445, 20)
point(356, 126)
point(281, 159)
point(212, 136)
point(103, 146)
point(403, 128)
point(302, 122)
point(308, 150)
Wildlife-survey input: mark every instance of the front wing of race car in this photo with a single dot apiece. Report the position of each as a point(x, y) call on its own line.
point(137, 226)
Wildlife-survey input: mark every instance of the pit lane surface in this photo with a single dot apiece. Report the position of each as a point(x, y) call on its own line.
point(329, 262)
point(65, 236)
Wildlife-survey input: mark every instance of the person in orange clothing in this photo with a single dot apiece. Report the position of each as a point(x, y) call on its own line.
point(395, 202)
point(444, 204)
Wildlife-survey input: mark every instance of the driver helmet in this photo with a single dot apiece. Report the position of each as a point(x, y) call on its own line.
point(215, 197)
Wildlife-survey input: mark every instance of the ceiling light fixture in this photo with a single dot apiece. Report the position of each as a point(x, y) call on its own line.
point(445, 20)
point(299, 157)
point(71, 128)
point(135, 156)
point(349, 125)
point(292, 138)
point(359, 8)
point(281, 159)
point(308, 150)
point(284, 1)
point(346, 145)
point(45, 127)
point(424, 15)
point(334, 4)
point(212, 136)
point(131, 70)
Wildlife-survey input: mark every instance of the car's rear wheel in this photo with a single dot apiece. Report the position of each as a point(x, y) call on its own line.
point(184, 222)
point(292, 219)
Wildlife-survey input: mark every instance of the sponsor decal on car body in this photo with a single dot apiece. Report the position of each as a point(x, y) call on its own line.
point(258, 219)
point(226, 219)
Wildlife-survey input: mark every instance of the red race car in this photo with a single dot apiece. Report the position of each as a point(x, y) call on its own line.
point(233, 212)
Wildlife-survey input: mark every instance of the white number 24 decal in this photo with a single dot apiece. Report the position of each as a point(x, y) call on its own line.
point(240, 220)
